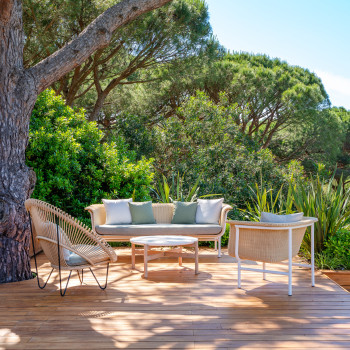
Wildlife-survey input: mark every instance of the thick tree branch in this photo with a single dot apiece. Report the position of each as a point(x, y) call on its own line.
point(96, 35)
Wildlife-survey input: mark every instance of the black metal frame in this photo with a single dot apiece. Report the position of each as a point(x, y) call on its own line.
point(59, 266)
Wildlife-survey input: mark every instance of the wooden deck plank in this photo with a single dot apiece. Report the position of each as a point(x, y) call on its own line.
point(175, 309)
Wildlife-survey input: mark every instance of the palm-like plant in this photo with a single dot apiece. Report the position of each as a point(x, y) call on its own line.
point(318, 198)
point(264, 198)
point(166, 193)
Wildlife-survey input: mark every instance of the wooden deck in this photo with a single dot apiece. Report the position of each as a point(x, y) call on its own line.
point(176, 309)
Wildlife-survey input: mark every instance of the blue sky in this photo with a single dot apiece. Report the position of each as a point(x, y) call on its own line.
point(307, 33)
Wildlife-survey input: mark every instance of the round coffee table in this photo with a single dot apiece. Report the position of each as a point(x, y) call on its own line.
point(149, 242)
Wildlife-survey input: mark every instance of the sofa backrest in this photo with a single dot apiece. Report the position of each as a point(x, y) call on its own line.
point(163, 213)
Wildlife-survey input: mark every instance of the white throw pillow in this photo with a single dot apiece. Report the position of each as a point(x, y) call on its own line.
point(117, 211)
point(281, 219)
point(208, 211)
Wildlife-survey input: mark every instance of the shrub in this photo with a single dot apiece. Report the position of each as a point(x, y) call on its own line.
point(336, 254)
point(74, 168)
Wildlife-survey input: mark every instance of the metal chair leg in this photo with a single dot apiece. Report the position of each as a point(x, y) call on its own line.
point(36, 264)
point(105, 286)
point(65, 289)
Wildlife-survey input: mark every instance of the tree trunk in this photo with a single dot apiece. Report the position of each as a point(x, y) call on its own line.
point(19, 89)
point(16, 179)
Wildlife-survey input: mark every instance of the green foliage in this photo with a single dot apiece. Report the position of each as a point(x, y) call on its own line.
point(176, 192)
point(74, 169)
point(266, 199)
point(344, 116)
point(318, 198)
point(285, 107)
point(318, 137)
point(135, 55)
point(314, 197)
point(207, 140)
point(336, 255)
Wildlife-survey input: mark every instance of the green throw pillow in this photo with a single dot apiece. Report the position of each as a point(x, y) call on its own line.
point(184, 213)
point(141, 213)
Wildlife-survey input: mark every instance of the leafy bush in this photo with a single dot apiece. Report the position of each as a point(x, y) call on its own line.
point(336, 254)
point(74, 169)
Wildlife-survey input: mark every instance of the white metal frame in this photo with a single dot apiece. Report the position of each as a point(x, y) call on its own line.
point(218, 242)
point(290, 257)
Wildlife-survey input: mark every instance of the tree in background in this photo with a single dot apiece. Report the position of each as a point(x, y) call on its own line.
point(317, 139)
point(285, 107)
point(134, 55)
point(276, 94)
point(73, 168)
point(20, 88)
point(207, 140)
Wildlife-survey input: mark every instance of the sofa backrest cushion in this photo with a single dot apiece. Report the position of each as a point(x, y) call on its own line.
point(184, 213)
point(281, 219)
point(117, 211)
point(142, 213)
point(208, 211)
point(163, 213)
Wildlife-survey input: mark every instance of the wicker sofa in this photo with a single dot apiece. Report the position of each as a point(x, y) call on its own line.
point(163, 213)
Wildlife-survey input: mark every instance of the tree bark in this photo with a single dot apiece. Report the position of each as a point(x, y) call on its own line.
point(19, 89)
point(16, 179)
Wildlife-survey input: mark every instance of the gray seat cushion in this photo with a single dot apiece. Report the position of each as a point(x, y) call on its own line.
point(158, 229)
point(76, 260)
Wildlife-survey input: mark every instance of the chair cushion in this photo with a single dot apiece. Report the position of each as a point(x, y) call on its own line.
point(76, 260)
point(184, 213)
point(158, 229)
point(142, 213)
point(208, 211)
point(117, 211)
point(281, 219)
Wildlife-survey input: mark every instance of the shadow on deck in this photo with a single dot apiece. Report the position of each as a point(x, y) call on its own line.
point(175, 309)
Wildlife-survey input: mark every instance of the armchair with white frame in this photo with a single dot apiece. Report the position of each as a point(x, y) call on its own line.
point(268, 242)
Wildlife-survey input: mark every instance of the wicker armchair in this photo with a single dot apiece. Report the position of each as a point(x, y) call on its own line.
point(68, 244)
point(270, 243)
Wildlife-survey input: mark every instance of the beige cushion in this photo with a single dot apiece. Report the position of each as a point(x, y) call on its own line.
point(208, 211)
point(158, 229)
point(117, 211)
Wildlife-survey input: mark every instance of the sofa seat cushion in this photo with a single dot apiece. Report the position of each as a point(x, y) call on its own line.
point(158, 229)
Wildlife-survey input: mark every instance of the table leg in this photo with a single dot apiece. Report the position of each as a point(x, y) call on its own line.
point(180, 256)
point(132, 255)
point(145, 260)
point(196, 258)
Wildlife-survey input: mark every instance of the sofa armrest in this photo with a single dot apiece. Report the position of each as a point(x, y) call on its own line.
point(98, 214)
point(223, 216)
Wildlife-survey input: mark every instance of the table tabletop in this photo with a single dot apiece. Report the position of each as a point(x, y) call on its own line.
point(162, 240)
